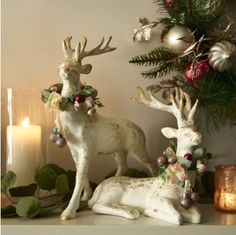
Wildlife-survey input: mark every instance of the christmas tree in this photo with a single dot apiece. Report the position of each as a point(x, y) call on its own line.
point(199, 49)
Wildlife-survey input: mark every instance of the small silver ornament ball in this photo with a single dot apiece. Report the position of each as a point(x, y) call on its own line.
point(172, 160)
point(61, 142)
point(186, 202)
point(161, 161)
point(178, 39)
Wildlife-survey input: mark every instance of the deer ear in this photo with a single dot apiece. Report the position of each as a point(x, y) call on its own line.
point(86, 68)
point(169, 132)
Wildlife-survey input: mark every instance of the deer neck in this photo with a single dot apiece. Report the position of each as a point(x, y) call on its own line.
point(183, 147)
point(70, 88)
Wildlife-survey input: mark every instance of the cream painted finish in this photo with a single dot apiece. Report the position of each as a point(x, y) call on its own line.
point(31, 37)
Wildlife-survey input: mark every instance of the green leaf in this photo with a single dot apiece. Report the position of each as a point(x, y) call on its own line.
point(28, 207)
point(46, 177)
point(44, 95)
point(62, 185)
point(8, 211)
point(58, 170)
point(169, 152)
point(199, 153)
point(8, 181)
point(23, 191)
point(184, 162)
point(63, 104)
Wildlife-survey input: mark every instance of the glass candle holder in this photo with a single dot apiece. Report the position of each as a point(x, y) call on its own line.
point(25, 127)
point(225, 188)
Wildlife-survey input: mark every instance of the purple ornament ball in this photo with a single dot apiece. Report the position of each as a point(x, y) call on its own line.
point(61, 142)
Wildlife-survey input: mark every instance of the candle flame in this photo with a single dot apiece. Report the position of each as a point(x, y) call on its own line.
point(25, 122)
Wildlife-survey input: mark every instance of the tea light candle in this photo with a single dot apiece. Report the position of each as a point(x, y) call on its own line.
point(225, 188)
point(23, 149)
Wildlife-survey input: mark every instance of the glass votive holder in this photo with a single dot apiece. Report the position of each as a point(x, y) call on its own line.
point(225, 188)
point(25, 127)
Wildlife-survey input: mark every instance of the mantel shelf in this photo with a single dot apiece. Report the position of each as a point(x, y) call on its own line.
point(88, 223)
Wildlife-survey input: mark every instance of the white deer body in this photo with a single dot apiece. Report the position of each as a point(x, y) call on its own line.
point(128, 197)
point(93, 135)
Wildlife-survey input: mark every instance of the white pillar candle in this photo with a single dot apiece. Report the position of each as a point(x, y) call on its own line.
point(23, 149)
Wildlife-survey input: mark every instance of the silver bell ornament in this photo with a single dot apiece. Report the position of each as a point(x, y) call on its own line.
point(221, 56)
point(178, 39)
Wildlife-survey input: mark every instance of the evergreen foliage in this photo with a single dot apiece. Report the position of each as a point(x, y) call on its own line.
point(216, 90)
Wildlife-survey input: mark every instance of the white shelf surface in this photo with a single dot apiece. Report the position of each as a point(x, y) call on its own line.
point(88, 223)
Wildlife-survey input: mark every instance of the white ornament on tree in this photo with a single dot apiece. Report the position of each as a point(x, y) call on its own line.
point(178, 39)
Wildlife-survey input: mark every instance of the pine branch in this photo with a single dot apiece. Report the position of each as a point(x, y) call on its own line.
point(157, 56)
point(159, 71)
point(217, 95)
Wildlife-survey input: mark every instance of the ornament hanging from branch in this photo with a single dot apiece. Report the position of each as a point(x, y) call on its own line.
point(196, 71)
point(178, 39)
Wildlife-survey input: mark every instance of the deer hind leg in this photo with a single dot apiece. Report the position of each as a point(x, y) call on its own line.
point(164, 209)
point(191, 215)
point(116, 209)
point(141, 155)
point(87, 193)
point(121, 161)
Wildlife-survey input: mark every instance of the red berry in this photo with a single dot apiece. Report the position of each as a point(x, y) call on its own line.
point(79, 98)
point(188, 156)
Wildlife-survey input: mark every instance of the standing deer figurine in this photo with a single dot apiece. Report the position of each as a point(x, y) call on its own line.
point(90, 135)
point(156, 197)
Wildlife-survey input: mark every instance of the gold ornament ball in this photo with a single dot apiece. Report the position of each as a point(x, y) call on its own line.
point(178, 39)
point(221, 56)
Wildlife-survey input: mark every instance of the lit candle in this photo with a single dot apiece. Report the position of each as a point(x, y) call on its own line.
point(225, 188)
point(23, 149)
point(227, 201)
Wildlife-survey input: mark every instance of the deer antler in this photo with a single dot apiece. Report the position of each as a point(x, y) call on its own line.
point(66, 47)
point(80, 52)
point(180, 105)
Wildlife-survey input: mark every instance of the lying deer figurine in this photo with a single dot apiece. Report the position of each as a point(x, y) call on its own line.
point(93, 135)
point(154, 197)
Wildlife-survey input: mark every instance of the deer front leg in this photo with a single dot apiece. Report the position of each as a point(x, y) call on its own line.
point(121, 161)
point(191, 215)
point(116, 209)
point(163, 209)
point(81, 179)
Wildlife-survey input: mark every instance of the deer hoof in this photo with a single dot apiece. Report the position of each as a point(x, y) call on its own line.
point(68, 214)
point(133, 214)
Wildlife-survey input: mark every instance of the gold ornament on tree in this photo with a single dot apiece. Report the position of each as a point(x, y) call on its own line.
point(221, 56)
point(178, 39)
